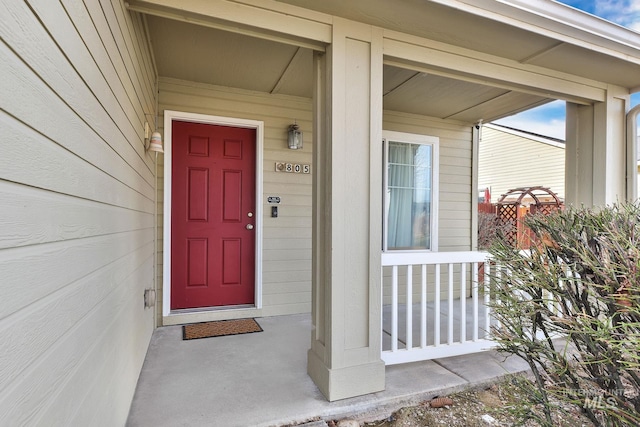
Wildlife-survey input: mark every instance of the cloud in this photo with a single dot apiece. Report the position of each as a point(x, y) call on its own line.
point(623, 12)
point(547, 120)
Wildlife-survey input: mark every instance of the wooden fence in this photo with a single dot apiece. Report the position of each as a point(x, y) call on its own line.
point(510, 219)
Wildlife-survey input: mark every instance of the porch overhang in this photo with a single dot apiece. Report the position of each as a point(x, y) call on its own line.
point(540, 32)
point(555, 52)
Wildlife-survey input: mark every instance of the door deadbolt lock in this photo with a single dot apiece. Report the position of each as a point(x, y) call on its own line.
point(250, 214)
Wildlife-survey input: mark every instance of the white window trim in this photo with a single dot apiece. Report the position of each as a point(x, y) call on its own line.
point(169, 117)
point(413, 138)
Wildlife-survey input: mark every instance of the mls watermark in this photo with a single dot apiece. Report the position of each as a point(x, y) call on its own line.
point(594, 399)
point(599, 402)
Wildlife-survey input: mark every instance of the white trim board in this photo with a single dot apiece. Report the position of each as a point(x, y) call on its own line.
point(215, 313)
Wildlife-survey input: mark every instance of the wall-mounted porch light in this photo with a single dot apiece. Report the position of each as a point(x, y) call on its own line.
point(155, 142)
point(295, 137)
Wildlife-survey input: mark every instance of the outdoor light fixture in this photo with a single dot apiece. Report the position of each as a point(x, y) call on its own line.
point(156, 143)
point(295, 137)
point(153, 144)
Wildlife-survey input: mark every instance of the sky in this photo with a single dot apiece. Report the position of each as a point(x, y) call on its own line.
point(549, 119)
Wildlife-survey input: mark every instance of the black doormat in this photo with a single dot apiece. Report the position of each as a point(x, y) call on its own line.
point(220, 328)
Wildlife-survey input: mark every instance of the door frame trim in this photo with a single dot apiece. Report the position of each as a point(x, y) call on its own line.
point(169, 117)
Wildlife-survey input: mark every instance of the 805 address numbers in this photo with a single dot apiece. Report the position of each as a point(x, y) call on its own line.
point(292, 167)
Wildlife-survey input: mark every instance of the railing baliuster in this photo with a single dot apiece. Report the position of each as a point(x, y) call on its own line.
point(435, 305)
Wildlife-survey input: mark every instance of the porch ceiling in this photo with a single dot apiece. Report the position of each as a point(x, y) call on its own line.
point(212, 56)
point(540, 33)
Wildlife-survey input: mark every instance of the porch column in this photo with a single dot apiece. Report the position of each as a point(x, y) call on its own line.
point(344, 359)
point(595, 173)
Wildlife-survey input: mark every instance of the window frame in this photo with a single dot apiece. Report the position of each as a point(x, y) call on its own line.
point(417, 139)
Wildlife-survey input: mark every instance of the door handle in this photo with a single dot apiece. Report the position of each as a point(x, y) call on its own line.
point(249, 227)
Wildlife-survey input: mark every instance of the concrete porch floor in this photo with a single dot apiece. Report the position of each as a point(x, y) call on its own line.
point(260, 379)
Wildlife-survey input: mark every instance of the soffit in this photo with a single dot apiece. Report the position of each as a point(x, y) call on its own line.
point(207, 55)
point(594, 65)
point(436, 22)
point(447, 98)
point(520, 32)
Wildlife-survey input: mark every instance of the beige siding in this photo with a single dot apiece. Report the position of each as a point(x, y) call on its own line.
point(509, 160)
point(76, 242)
point(287, 239)
point(286, 254)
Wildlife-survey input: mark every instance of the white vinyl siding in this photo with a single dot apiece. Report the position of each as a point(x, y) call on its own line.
point(286, 255)
point(76, 242)
point(509, 160)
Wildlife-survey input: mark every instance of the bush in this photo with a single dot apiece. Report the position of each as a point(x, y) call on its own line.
point(490, 227)
point(570, 308)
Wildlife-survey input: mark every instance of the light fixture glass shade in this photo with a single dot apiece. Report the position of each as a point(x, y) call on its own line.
point(295, 137)
point(155, 143)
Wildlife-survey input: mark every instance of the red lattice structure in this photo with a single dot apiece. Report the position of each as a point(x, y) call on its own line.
point(517, 203)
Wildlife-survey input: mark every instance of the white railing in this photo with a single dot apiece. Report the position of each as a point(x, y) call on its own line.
point(434, 305)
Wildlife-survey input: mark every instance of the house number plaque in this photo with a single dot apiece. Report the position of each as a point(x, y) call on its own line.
point(292, 167)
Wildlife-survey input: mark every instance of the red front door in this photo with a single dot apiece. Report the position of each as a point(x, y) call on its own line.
point(212, 215)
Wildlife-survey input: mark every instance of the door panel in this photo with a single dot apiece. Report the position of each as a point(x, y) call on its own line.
point(213, 201)
point(198, 197)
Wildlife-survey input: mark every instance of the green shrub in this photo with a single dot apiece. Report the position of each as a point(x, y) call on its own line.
point(571, 309)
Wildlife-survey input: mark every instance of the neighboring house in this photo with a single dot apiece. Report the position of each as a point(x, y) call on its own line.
point(511, 158)
point(90, 222)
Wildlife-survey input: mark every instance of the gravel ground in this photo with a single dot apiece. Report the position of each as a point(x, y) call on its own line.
point(474, 408)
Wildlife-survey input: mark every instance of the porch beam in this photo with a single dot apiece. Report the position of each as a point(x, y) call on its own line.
point(288, 72)
point(437, 58)
point(558, 22)
point(542, 53)
point(392, 90)
point(293, 26)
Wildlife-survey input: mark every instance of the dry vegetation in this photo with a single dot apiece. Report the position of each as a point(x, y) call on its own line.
point(492, 406)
